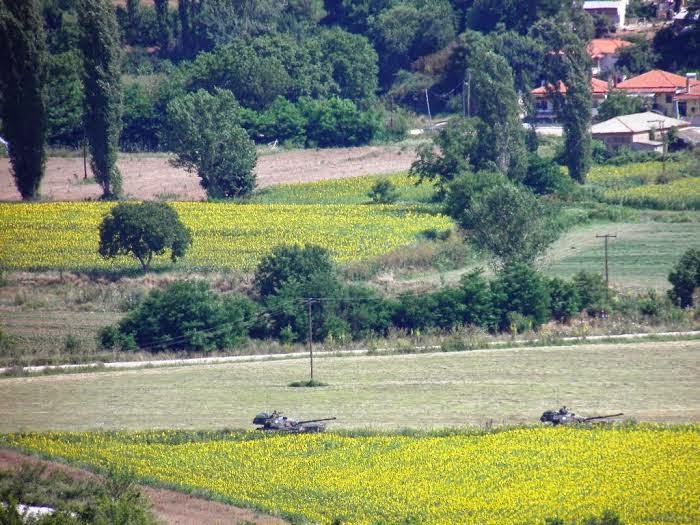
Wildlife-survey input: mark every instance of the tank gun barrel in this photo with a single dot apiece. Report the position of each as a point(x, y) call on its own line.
point(602, 417)
point(315, 420)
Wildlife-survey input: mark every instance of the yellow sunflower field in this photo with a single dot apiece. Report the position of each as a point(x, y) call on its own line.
point(647, 474)
point(64, 235)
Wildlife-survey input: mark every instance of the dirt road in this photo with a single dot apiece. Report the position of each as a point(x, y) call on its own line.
point(151, 177)
point(170, 507)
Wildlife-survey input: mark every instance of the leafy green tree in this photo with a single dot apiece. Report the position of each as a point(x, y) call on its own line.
point(204, 132)
point(287, 279)
point(637, 58)
point(463, 192)
point(353, 61)
point(103, 91)
point(569, 64)
point(187, 315)
point(544, 176)
point(511, 223)
point(590, 288)
point(619, 103)
point(290, 263)
point(685, 278)
point(519, 289)
point(365, 312)
point(141, 120)
point(497, 105)
point(524, 54)
point(255, 80)
point(451, 153)
point(338, 122)
point(383, 192)
point(143, 230)
point(283, 121)
point(163, 25)
point(564, 299)
point(64, 99)
point(22, 105)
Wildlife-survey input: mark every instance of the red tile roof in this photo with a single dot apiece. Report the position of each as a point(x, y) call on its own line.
point(654, 81)
point(692, 93)
point(605, 46)
point(598, 87)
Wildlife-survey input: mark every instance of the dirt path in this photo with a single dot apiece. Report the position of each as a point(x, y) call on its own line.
point(150, 177)
point(170, 507)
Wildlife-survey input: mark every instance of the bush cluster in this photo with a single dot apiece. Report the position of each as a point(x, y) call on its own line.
point(293, 280)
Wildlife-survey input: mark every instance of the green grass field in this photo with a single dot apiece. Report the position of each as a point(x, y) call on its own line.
point(651, 381)
point(639, 258)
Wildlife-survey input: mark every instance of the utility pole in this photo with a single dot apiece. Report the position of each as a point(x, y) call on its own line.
point(427, 101)
point(607, 281)
point(311, 348)
point(469, 92)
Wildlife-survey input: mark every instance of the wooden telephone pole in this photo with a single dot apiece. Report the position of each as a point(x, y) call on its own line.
point(311, 347)
point(607, 280)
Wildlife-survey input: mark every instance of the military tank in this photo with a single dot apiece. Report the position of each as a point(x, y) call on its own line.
point(565, 417)
point(277, 422)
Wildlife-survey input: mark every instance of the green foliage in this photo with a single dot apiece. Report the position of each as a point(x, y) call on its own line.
point(685, 278)
point(544, 177)
point(564, 299)
point(569, 34)
point(469, 304)
point(337, 122)
point(142, 122)
point(637, 58)
point(455, 143)
point(353, 62)
point(77, 502)
point(463, 192)
point(619, 103)
point(282, 121)
point(520, 290)
point(290, 263)
point(187, 316)
point(383, 192)
point(22, 106)
point(204, 132)
point(678, 47)
point(103, 92)
point(590, 288)
point(143, 230)
point(511, 223)
point(64, 99)
point(501, 137)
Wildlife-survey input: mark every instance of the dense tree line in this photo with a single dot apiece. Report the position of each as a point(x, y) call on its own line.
point(293, 280)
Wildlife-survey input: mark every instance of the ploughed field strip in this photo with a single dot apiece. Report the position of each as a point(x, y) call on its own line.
point(646, 473)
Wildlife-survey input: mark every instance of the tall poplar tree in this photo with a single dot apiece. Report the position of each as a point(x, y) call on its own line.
point(162, 21)
point(22, 107)
point(103, 91)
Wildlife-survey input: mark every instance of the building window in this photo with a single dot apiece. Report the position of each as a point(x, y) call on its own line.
point(669, 99)
point(683, 109)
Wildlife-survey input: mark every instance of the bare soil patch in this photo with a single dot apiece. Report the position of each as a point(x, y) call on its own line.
point(152, 177)
point(168, 506)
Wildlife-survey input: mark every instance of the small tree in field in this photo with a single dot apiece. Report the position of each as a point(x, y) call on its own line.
point(143, 230)
point(205, 134)
point(685, 278)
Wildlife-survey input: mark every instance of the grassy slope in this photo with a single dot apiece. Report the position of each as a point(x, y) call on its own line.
point(647, 381)
point(639, 258)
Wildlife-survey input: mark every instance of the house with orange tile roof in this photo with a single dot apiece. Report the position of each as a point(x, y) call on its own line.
point(604, 52)
point(660, 86)
point(544, 105)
